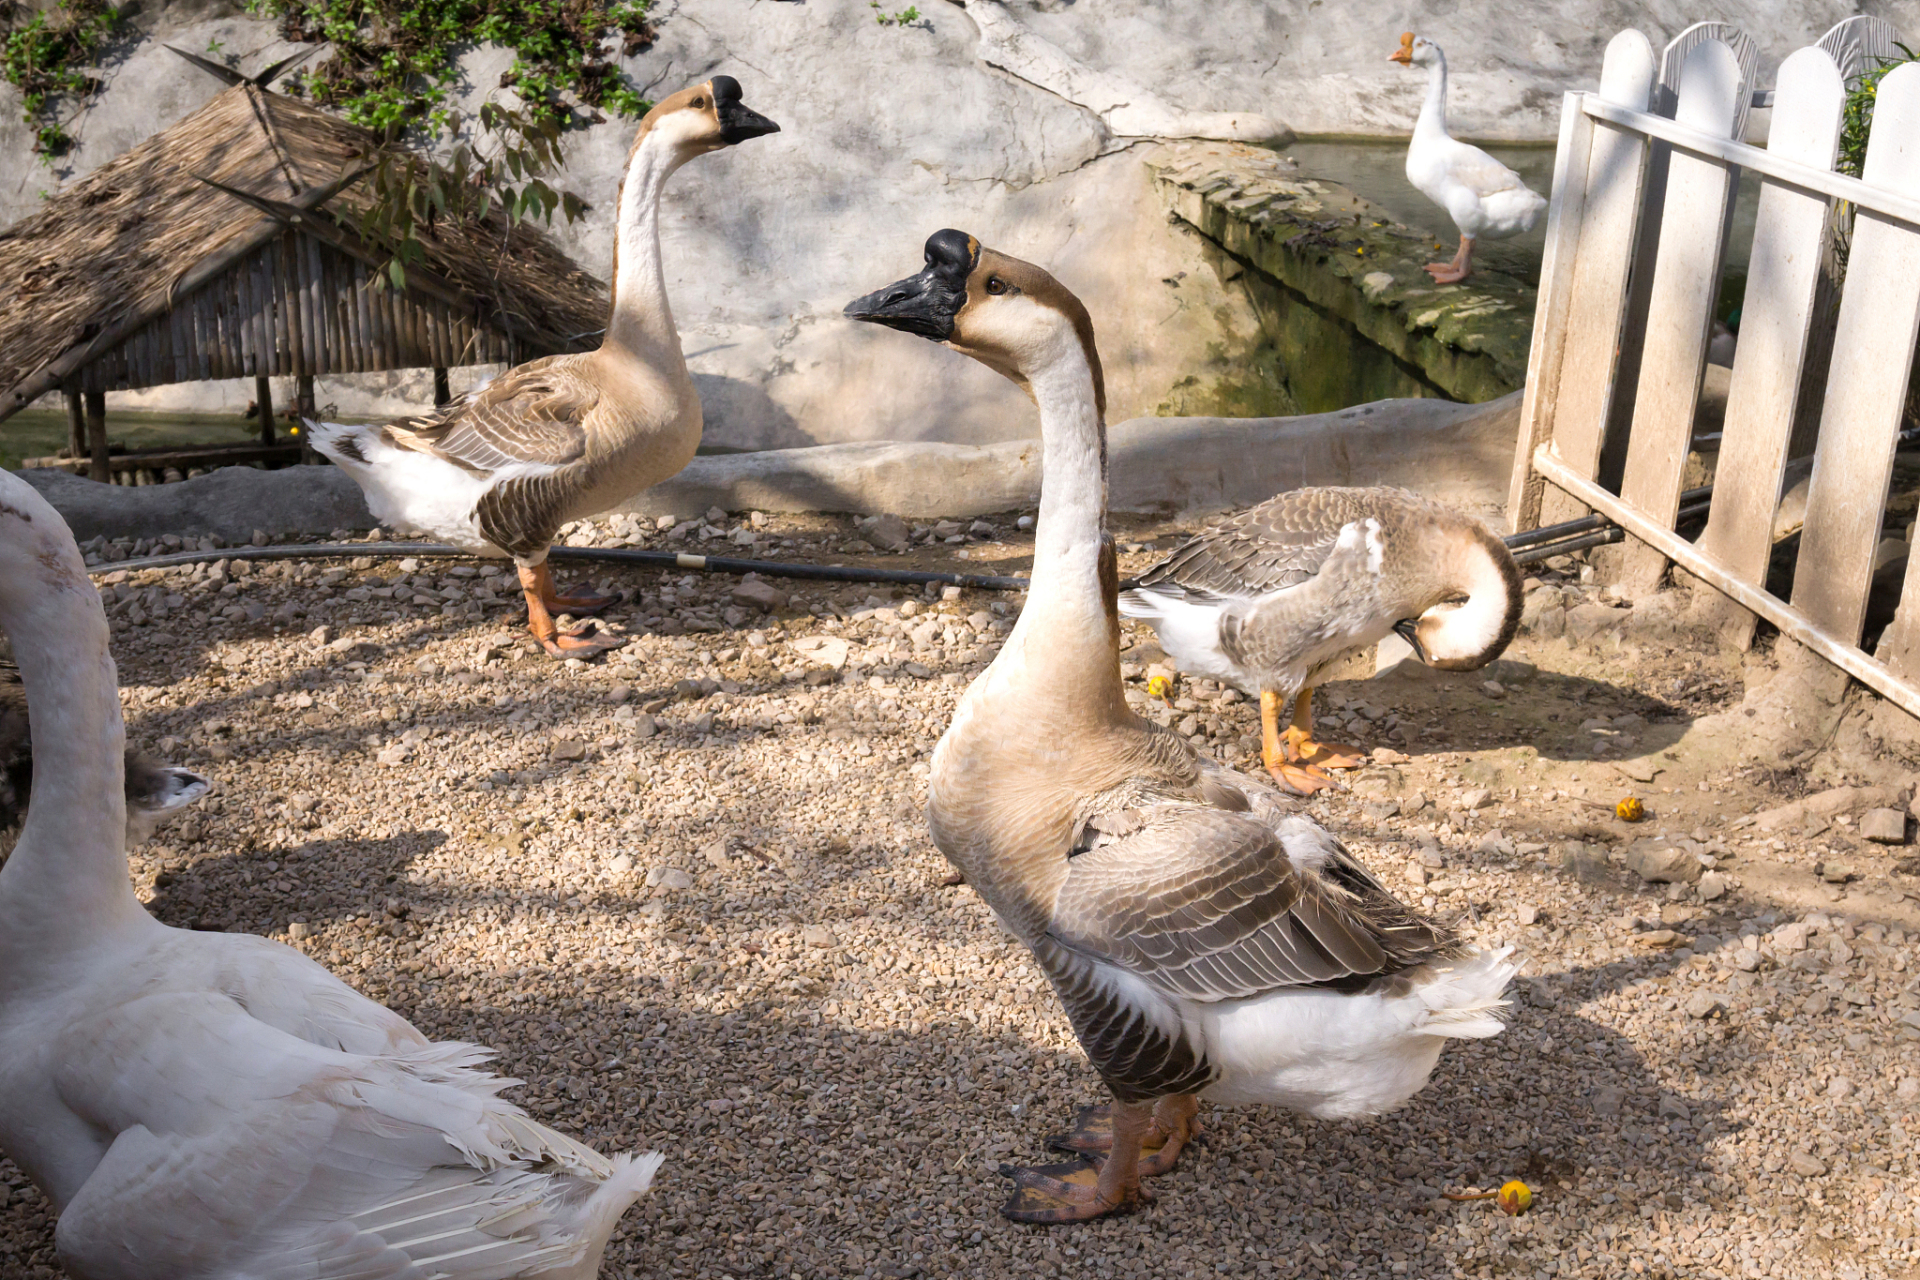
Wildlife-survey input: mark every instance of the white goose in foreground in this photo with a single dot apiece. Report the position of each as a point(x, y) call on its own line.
point(1272, 598)
point(1204, 943)
point(209, 1106)
point(1485, 199)
point(500, 470)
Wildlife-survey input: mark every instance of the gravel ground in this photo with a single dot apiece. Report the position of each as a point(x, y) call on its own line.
point(688, 895)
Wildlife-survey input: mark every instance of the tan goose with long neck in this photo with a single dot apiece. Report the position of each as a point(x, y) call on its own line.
point(557, 439)
point(1272, 598)
point(1205, 943)
point(212, 1106)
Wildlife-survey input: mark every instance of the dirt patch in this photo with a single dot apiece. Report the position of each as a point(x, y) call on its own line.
point(688, 895)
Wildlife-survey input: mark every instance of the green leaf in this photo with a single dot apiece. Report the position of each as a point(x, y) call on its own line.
point(396, 273)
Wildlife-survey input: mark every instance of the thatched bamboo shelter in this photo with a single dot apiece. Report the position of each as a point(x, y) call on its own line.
point(142, 274)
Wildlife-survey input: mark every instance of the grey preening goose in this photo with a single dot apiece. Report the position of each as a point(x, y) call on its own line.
point(155, 791)
point(500, 470)
point(209, 1106)
point(1275, 596)
point(1205, 943)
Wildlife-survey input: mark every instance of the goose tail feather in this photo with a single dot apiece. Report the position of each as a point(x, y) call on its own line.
point(1466, 998)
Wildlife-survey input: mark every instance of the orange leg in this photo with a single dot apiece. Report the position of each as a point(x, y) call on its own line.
point(576, 604)
point(1459, 269)
point(1174, 1125)
point(1296, 761)
point(577, 641)
point(1078, 1190)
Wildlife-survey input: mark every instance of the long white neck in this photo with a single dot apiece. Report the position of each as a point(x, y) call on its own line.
point(1066, 613)
point(642, 322)
point(66, 881)
point(1433, 112)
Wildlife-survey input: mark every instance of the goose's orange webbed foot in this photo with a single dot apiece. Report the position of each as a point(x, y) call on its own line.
point(1068, 1192)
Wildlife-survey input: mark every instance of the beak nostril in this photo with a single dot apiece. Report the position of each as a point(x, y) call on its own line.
point(898, 295)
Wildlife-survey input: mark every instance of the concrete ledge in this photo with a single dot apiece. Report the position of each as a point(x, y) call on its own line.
point(229, 503)
point(1166, 466)
point(1333, 260)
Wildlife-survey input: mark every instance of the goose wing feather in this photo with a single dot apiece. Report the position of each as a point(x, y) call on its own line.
point(1280, 543)
point(528, 420)
point(1207, 904)
point(1479, 172)
point(312, 1164)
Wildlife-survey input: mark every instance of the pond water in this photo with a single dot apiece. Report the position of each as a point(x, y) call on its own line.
point(40, 433)
point(1377, 170)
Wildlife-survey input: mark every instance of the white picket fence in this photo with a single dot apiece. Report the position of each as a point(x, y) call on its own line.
point(1635, 239)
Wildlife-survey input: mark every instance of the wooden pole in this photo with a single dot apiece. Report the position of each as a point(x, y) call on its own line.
point(97, 436)
point(76, 424)
point(263, 397)
point(441, 391)
point(303, 401)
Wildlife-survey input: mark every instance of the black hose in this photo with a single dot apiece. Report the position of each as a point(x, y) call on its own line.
point(1567, 528)
point(1606, 532)
point(1530, 546)
point(601, 555)
point(1531, 555)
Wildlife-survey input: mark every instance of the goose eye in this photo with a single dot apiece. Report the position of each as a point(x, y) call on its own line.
point(996, 286)
point(699, 102)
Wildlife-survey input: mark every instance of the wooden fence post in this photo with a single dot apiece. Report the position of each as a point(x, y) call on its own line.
point(1783, 286)
point(1683, 284)
point(1866, 391)
point(1596, 290)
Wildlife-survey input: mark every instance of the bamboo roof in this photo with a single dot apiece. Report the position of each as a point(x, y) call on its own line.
point(115, 259)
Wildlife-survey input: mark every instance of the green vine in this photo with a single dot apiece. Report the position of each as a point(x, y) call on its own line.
point(44, 57)
point(395, 71)
point(905, 18)
point(1857, 119)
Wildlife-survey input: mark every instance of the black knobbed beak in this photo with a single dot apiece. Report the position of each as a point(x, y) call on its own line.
point(1408, 629)
point(923, 304)
point(738, 122)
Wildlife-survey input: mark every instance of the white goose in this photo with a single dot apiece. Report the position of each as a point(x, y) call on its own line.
point(208, 1106)
point(561, 438)
point(1205, 943)
point(1485, 199)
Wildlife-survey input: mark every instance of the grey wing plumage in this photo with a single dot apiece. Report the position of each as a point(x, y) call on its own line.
point(532, 417)
point(1205, 904)
point(1280, 543)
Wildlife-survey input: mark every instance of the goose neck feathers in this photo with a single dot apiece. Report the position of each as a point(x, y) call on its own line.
point(66, 880)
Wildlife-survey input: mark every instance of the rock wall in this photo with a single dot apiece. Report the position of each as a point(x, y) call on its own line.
point(893, 132)
point(1348, 313)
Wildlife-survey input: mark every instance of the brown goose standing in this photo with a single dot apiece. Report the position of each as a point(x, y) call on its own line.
point(557, 439)
point(1272, 598)
point(1205, 943)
